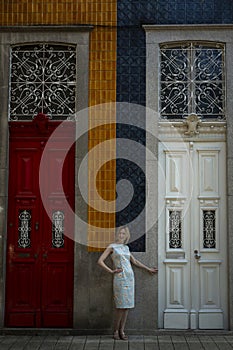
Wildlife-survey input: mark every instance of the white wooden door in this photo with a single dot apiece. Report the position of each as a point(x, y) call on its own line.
point(192, 235)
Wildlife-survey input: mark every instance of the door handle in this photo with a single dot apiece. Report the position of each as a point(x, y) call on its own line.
point(37, 226)
point(196, 254)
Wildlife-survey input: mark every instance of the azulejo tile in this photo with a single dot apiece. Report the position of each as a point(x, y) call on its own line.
point(131, 65)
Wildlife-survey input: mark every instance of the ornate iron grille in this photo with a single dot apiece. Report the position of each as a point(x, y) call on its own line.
point(24, 229)
point(192, 81)
point(58, 229)
point(175, 229)
point(209, 229)
point(43, 79)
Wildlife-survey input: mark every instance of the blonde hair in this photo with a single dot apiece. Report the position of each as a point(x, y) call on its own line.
point(126, 231)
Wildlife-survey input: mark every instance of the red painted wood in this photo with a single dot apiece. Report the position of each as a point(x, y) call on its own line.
point(39, 278)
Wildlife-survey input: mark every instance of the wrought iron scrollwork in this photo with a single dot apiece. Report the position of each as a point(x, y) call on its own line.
point(43, 79)
point(175, 229)
point(192, 81)
point(58, 229)
point(24, 229)
point(209, 229)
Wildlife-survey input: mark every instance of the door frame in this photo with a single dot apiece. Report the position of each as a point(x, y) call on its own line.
point(160, 34)
point(75, 35)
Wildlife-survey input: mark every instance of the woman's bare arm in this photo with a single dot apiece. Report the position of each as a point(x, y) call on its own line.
point(103, 257)
point(141, 265)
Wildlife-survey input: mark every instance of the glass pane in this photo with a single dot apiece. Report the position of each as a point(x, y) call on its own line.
point(175, 229)
point(208, 64)
point(209, 229)
point(24, 228)
point(209, 99)
point(174, 100)
point(58, 229)
point(174, 64)
point(192, 81)
point(174, 92)
point(43, 80)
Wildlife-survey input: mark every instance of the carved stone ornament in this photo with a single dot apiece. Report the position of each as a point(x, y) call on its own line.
point(192, 123)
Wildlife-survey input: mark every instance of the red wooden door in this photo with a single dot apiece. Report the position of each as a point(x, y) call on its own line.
point(40, 256)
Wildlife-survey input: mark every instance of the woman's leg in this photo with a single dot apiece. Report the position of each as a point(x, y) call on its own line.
point(119, 326)
point(118, 317)
point(123, 320)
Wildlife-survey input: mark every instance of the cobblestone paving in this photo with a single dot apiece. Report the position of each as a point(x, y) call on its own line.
point(160, 342)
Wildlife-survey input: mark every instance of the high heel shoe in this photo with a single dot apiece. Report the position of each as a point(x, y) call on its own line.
point(116, 335)
point(123, 336)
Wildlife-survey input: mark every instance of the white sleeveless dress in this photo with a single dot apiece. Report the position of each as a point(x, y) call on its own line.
point(123, 282)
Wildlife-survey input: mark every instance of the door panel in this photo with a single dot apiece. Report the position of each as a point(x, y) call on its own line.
point(39, 276)
point(23, 242)
point(192, 257)
point(208, 173)
point(57, 237)
point(56, 307)
point(27, 178)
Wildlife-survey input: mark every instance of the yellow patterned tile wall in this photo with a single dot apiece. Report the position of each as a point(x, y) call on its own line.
point(102, 88)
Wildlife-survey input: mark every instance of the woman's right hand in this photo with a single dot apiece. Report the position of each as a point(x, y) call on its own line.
point(118, 270)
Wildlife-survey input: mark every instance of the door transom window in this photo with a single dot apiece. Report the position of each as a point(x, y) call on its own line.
point(42, 80)
point(192, 80)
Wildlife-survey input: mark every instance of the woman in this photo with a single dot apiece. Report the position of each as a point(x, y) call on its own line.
point(123, 281)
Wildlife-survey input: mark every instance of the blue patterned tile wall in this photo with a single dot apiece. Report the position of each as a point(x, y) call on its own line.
point(131, 65)
point(131, 167)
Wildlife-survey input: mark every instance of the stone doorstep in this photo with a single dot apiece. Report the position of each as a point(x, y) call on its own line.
point(97, 332)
